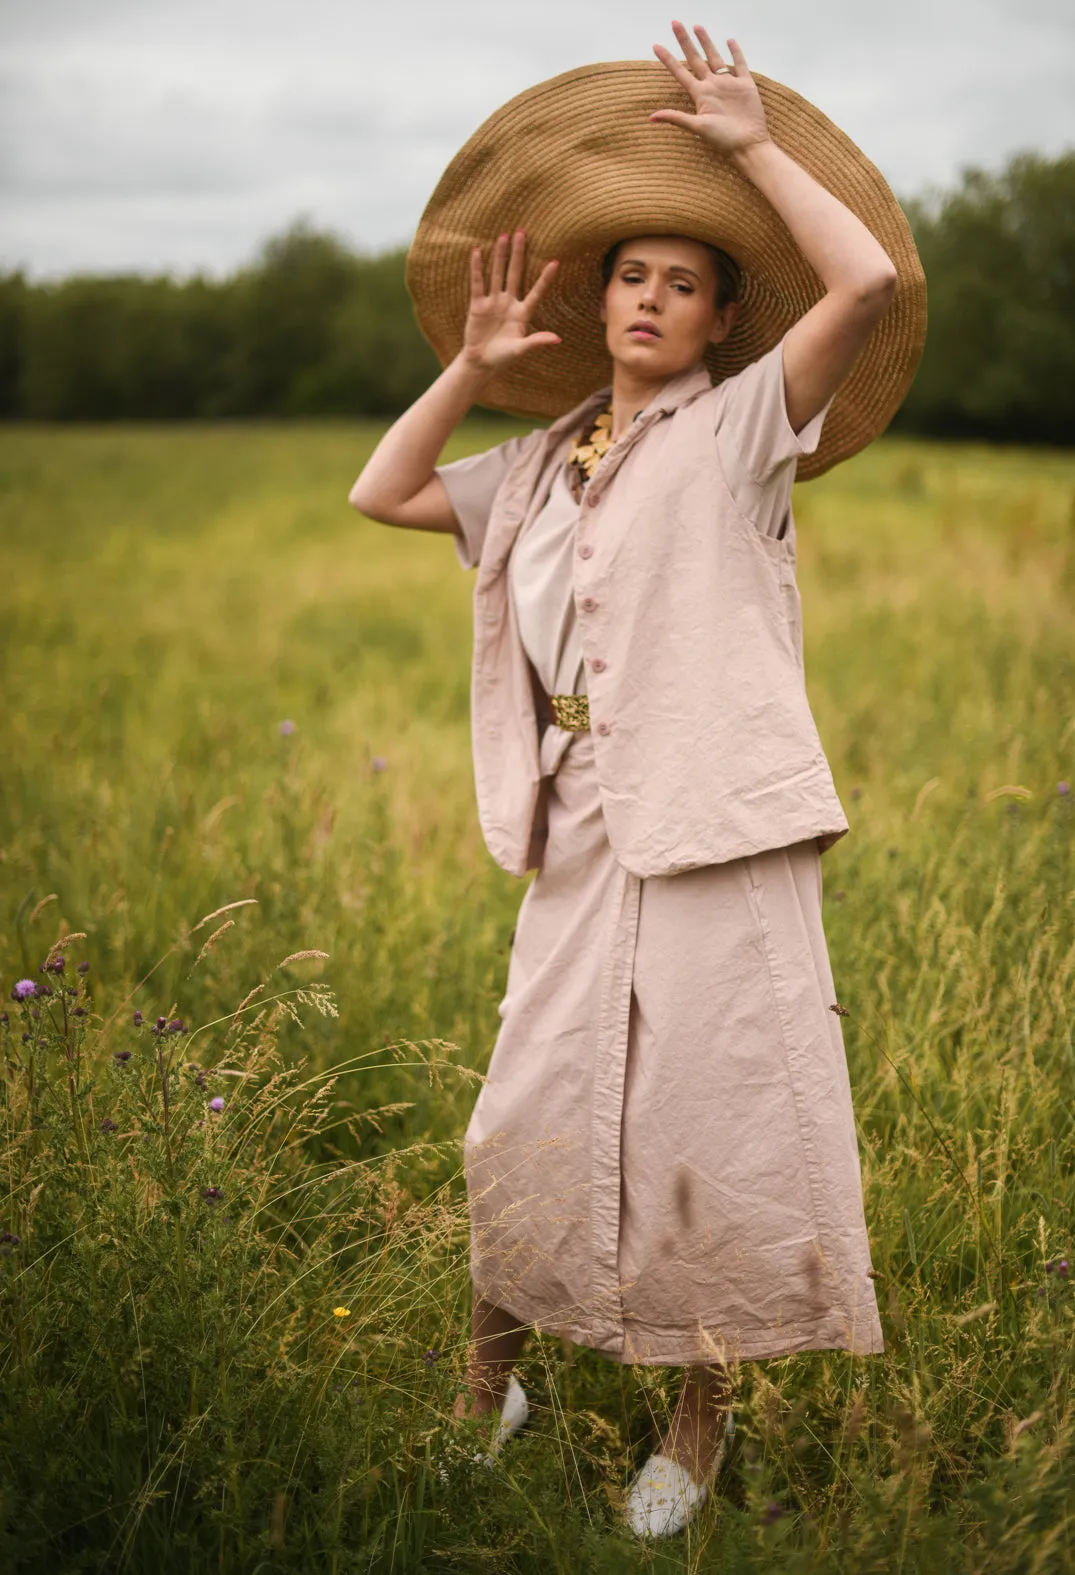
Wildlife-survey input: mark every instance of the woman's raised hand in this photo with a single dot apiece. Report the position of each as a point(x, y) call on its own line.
point(728, 109)
point(496, 330)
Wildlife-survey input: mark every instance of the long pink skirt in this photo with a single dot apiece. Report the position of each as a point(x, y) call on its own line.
point(662, 1163)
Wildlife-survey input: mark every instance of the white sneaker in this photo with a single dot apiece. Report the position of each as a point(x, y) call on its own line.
point(664, 1497)
point(514, 1414)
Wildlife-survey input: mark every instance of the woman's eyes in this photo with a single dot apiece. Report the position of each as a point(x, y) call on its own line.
point(677, 284)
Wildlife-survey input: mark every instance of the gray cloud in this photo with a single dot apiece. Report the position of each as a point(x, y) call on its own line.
point(149, 134)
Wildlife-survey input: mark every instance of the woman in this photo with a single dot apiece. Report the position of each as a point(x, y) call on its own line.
point(662, 1164)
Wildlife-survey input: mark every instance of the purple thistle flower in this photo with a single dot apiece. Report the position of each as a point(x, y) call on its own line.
point(287, 727)
point(429, 1357)
point(1063, 789)
point(23, 989)
point(44, 989)
point(9, 1238)
point(162, 1023)
point(121, 1056)
point(108, 1125)
point(83, 967)
point(58, 963)
point(79, 1011)
point(138, 1019)
point(212, 1194)
point(1062, 1268)
point(378, 764)
point(176, 1026)
point(216, 1103)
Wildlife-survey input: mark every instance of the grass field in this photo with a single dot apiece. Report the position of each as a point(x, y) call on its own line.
point(230, 1336)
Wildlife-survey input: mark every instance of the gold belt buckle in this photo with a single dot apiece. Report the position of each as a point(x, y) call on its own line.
point(571, 712)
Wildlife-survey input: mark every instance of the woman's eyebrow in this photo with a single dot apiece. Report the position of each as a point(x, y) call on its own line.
point(637, 262)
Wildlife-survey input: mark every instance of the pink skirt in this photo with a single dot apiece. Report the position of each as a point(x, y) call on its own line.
point(662, 1163)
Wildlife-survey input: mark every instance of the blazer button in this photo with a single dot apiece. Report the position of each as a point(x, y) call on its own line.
point(599, 664)
point(586, 551)
point(588, 604)
point(603, 728)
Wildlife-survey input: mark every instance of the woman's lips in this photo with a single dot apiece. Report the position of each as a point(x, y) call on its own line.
point(643, 332)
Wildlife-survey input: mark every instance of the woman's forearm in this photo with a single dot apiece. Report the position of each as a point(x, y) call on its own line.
point(404, 459)
point(837, 245)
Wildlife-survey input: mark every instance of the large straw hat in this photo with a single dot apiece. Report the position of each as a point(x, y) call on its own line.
point(576, 162)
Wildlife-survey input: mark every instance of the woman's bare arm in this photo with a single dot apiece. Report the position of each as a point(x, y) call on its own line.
point(858, 274)
point(398, 485)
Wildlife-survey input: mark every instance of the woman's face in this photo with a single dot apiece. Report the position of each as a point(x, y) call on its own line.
point(659, 307)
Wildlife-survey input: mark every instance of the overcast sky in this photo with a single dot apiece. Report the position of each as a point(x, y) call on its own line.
point(178, 134)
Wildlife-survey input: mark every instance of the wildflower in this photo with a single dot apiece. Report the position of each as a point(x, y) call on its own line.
point(176, 1026)
point(23, 989)
point(162, 1023)
point(79, 1011)
point(1063, 789)
point(772, 1512)
point(108, 1125)
point(1062, 1268)
point(287, 727)
point(212, 1194)
point(121, 1056)
point(216, 1103)
point(378, 764)
point(138, 1019)
point(43, 989)
point(9, 1239)
point(4, 1018)
point(58, 963)
point(341, 1312)
point(83, 967)
point(429, 1357)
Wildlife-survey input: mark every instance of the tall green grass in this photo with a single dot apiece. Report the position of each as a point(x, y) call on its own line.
point(179, 1392)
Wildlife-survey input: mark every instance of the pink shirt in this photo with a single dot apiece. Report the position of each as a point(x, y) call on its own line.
point(690, 624)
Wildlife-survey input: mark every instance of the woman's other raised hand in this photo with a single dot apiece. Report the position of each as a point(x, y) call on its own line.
point(728, 111)
point(497, 322)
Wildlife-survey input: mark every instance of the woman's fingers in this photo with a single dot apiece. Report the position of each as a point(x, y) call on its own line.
point(696, 65)
point(498, 265)
point(534, 341)
point(676, 117)
point(515, 266)
point(540, 285)
point(684, 77)
point(477, 274)
point(740, 69)
point(712, 53)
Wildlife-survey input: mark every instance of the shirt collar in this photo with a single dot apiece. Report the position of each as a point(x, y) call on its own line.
point(679, 390)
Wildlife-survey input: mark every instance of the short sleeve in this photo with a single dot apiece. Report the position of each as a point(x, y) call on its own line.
point(755, 440)
point(471, 485)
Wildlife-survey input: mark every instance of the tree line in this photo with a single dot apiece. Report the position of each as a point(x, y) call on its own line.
point(312, 328)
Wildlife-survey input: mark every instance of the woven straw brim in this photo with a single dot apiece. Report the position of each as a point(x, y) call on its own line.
point(576, 163)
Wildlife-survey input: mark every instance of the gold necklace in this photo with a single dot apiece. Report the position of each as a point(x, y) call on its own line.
point(590, 447)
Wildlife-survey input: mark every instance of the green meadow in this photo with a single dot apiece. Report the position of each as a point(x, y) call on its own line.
point(233, 1250)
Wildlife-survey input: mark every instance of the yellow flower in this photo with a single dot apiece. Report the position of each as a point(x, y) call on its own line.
point(341, 1312)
